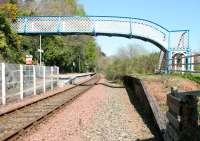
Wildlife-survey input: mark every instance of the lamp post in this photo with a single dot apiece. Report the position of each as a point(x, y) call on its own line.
point(40, 50)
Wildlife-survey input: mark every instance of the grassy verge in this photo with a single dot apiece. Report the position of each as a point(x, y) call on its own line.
point(192, 77)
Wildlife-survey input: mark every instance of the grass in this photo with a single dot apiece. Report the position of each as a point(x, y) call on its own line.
point(190, 76)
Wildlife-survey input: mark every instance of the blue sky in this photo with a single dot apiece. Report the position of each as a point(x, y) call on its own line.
point(172, 14)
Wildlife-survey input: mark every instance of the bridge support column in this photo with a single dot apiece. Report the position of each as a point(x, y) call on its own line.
point(183, 63)
point(169, 63)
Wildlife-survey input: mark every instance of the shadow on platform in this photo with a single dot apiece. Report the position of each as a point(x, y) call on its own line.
point(147, 118)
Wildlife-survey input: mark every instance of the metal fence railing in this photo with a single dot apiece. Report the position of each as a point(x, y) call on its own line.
point(18, 81)
point(183, 64)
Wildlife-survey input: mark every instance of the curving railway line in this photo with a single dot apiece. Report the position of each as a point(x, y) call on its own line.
point(12, 122)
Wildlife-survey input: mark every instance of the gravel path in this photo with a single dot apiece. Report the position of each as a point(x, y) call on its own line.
point(101, 114)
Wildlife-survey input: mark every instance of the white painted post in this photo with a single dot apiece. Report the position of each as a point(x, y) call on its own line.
point(34, 81)
point(3, 77)
point(21, 82)
point(183, 63)
point(57, 74)
point(192, 63)
point(175, 63)
point(40, 50)
point(44, 79)
point(52, 78)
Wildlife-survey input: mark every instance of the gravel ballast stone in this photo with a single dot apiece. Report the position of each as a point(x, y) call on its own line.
point(100, 114)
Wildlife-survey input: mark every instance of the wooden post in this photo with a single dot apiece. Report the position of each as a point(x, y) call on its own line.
point(182, 116)
point(189, 118)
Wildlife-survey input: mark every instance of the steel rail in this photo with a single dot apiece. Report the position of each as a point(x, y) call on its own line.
point(16, 120)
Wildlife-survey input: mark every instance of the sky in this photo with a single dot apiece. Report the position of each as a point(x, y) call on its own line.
point(172, 14)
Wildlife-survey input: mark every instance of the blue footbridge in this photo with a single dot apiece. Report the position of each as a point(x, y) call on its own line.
point(170, 42)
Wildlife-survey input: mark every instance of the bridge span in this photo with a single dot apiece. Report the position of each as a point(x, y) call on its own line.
point(170, 42)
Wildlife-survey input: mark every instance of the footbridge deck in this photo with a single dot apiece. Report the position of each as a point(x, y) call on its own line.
point(99, 25)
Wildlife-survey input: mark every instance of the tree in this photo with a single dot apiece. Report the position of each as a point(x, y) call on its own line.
point(9, 41)
point(10, 10)
point(130, 60)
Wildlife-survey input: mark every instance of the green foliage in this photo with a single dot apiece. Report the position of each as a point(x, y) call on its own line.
point(3, 43)
point(197, 67)
point(9, 42)
point(193, 77)
point(90, 55)
point(131, 60)
point(80, 11)
point(10, 10)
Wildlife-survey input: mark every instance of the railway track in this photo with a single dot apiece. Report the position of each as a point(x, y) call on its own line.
point(12, 122)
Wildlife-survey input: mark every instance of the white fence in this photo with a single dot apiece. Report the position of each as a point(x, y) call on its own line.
point(18, 81)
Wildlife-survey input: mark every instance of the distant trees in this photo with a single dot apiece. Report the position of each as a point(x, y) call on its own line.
point(131, 60)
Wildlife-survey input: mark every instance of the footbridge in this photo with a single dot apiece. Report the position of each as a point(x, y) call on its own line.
point(169, 42)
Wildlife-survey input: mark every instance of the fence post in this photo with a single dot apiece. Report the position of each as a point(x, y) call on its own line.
point(175, 63)
point(189, 119)
point(34, 81)
point(3, 75)
point(182, 117)
point(57, 74)
point(192, 63)
point(21, 82)
point(52, 78)
point(44, 79)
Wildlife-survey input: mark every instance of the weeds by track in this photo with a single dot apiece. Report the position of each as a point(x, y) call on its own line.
point(13, 122)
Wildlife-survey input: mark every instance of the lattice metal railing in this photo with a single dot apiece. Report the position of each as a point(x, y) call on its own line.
point(170, 42)
point(179, 40)
point(128, 27)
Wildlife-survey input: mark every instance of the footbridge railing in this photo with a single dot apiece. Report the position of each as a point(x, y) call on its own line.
point(97, 25)
point(168, 41)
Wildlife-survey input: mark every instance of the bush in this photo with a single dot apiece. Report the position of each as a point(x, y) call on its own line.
point(131, 60)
